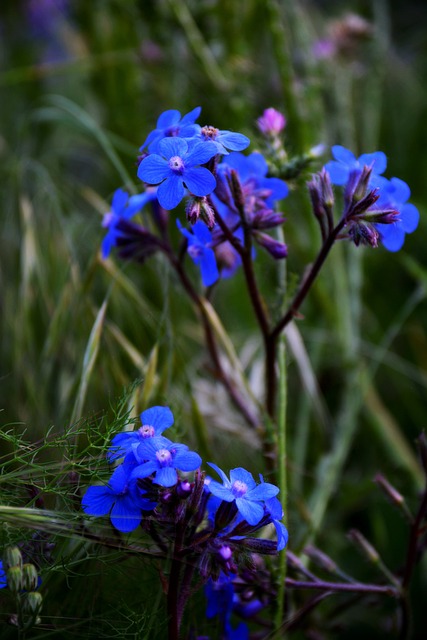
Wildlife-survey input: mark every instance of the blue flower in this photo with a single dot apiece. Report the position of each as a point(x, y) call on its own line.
point(259, 191)
point(201, 252)
point(171, 124)
point(154, 422)
point(345, 162)
point(224, 140)
point(395, 193)
point(121, 498)
point(3, 578)
point(161, 457)
point(242, 489)
point(123, 207)
point(177, 167)
point(220, 596)
point(275, 511)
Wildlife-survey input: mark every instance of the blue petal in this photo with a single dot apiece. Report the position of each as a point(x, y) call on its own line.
point(136, 203)
point(233, 141)
point(171, 192)
point(202, 233)
point(252, 512)
point(120, 199)
point(263, 491)
point(257, 165)
point(97, 501)
point(220, 491)
point(144, 470)
point(173, 146)
point(344, 155)
point(282, 535)
point(400, 190)
point(208, 268)
point(124, 516)
point(187, 461)
point(166, 477)
point(241, 475)
point(220, 473)
point(119, 479)
point(191, 116)
point(378, 159)
point(392, 236)
point(199, 181)
point(409, 218)
point(160, 418)
point(168, 119)
point(201, 153)
point(153, 169)
point(338, 172)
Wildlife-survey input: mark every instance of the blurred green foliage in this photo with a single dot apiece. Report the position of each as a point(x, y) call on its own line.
point(77, 100)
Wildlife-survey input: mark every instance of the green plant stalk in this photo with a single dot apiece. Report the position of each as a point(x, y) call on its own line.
point(282, 475)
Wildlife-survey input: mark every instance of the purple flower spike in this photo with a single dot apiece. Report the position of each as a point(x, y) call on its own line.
point(120, 498)
point(271, 123)
point(176, 167)
point(162, 457)
point(242, 489)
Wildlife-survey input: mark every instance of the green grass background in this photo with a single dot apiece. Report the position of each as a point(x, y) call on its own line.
point(75, 106)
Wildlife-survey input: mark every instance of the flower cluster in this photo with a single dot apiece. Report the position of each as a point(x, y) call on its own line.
point(213, 522)
point(179, 159)
point(377, 209)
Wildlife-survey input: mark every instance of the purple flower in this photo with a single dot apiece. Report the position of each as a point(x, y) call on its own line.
point(154, 422)
point(121, 498)
point(345, 162)
point(170, 124)
point(242, 489)
point(201, 252)
point(178, 167)
point(395, 193)
point(271, 123)
point(161, 457)
point(123, 207)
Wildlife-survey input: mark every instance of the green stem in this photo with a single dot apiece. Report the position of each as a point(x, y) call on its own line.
point(282, 476)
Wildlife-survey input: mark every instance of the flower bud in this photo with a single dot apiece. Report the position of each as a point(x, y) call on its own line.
point(12, 558)
point(32, 603)
point(14, 579)
point(184, 489)
point(271, 123)
point(365, 547)
point(275, 248)
point(29, 577)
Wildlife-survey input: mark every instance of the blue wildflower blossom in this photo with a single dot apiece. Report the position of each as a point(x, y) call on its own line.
point(201, 252)
point(154, 421)
point(171, 124)
point(176, 166)
point(161, 457)
point(242, 488)
point(224, 140)
point(395, 193)
point(123, 207)
point(220, 601)
point(259, 191)
point(3, 578)
point(121, 498)
point(345, 162)
point(275, 511)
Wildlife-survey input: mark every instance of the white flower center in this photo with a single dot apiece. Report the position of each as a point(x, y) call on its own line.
point(239, 488)
point(176, 163)
point(164, 457)
point(146, 431)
